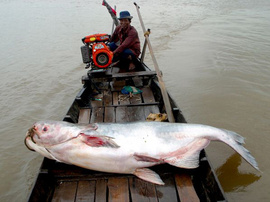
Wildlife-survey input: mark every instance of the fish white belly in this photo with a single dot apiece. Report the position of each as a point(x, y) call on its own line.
point(116, 160)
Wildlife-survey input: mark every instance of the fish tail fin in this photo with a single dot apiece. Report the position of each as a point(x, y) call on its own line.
point(236, 141)
point(148, 175)
point(238, 138)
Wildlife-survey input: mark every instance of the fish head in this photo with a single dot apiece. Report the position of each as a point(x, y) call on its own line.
point(49, 133)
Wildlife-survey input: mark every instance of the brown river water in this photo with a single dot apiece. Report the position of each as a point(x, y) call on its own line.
point(214, 55)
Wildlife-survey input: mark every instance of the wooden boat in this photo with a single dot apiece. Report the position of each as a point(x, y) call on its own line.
point(100, 100)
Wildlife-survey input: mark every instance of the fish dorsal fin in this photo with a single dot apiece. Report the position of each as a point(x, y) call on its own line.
point(98, 140)
point(148, 175)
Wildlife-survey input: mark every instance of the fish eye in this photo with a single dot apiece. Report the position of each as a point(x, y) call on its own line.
point(45, 128)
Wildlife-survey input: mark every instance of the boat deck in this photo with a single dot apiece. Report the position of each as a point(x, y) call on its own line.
point(76, 184)
point(116, 107)
point(62, 182)
point(113, 106)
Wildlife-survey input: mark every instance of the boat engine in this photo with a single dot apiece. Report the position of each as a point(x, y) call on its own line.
point(95, 52)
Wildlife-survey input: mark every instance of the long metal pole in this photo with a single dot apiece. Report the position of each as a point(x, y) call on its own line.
point(164, 92)
point(113, 15)
point(113, 22)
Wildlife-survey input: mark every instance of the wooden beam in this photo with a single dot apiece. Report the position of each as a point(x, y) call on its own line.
point(97, 115)
point(115, 98)
point(136, 113)
point(118, 190)
point(159, 74)
point(121, 115)
point(84, 116)
point(86, 191)
point(185, 188)
point(136, 104)
point(148, 96)
point(133, 74)
point(101, 190)
point(167, 192)
point(142, 191)
point(109, 115)
point(107, 98)
point(65, 191)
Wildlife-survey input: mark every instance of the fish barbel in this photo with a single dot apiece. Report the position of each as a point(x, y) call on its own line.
point(129, 147)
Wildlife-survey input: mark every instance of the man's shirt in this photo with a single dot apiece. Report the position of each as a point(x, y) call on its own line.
point(128, 40)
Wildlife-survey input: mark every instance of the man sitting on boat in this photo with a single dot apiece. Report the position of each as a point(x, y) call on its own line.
point(125, 42)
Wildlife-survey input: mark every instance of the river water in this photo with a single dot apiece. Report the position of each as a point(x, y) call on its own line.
point(214, 55)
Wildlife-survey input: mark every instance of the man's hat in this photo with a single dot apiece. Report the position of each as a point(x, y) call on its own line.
point(125, 14)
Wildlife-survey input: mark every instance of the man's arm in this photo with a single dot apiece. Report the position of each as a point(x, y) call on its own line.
point(128, 42)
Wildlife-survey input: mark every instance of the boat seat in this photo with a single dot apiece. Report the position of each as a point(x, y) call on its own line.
point(134, 74)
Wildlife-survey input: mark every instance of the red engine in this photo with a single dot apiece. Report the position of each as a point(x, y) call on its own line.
point(95, 52)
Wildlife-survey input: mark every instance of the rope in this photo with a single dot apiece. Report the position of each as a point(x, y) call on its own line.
point(147, 33)
point(122, 98)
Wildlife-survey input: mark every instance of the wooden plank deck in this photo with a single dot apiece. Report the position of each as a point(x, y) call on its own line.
point(124, 188)
point(134, 74)
point(112, 106)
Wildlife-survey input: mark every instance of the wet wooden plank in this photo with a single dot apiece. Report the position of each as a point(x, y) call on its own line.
point(115, 98)
point(185, 188)
point(138, 82)
point(84, 116)
point(167, 192)
point(138, 104)
point(103, 85)
point(97, 115)
point(136, 113)
point(117, 85)
point(118, 190)
point(86, 191)
point(148, 96)
point(101, 190)
point(133, 74)
point(107, 98)
point(112, 71)
point(121, 114)
point(142, 191)
point(109, 115)
point(97, 100)
point(65, 191)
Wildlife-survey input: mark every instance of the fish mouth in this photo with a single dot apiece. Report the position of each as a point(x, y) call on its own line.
point(30, 134)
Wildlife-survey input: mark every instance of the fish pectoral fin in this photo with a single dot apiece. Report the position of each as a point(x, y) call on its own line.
point(98, 141)
point(141, 157)
point(148, 175)
point(89, 131)
point(92, 126)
